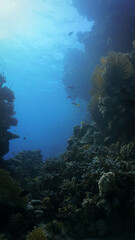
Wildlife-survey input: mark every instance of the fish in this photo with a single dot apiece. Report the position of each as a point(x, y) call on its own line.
point(76, 104)
point(24, 138)
point(71, 87)
point(70, 33)
point(68, 96)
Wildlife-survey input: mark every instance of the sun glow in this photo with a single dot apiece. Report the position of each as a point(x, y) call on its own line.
point(37, 19)
point(29, 28)
point(16, 18)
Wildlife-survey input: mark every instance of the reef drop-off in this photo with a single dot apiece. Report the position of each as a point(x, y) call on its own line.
point(88, 191)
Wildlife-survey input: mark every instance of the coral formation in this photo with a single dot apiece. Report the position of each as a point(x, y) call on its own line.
point(106, 184)
point(36, 234)
point(26, 169)
point(9, 190)
point(113, 30)
point(85, 192)
point(88, 191)
point(6, 119)
point(2, 237)
point(113, 96)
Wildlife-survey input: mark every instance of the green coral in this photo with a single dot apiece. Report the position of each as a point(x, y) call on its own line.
point(36, 234)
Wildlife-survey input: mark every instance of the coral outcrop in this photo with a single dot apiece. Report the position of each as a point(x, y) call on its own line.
point(113, 96)
point(6, 116)
point(36, 234)
point(113, 30)
point(9, 190)
point(86, 192)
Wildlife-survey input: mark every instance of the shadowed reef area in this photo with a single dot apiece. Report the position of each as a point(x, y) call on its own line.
point(113, 30)
point(88, 192)
point(6, 116)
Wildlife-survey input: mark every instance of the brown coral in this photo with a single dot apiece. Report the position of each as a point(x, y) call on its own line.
point(113, 95)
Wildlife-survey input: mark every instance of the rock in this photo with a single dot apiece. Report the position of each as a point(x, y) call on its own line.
point(106, 183)
point(36, 202)
point(30, 208)
point(103, 204)
point(101, 227)
point(38, 213)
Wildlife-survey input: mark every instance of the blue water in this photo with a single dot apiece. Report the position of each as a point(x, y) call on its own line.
point(34, 38)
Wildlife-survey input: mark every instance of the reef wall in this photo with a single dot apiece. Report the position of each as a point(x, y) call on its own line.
point(88, 191)
point(112, 104)
point(6, 116)
point(114, 30)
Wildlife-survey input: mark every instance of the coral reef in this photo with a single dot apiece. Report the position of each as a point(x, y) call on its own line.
point(113, 30)
point(113, 96)
point(36, 234)
point(6, 119)
point(106, 184)
point(9, 190)
point(2, 237)
point(86, 192)
point(11, 201)
point(25, 167)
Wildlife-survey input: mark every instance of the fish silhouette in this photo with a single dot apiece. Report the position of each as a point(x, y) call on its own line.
point(76, 104)
point(71, 87)
point(70, 33)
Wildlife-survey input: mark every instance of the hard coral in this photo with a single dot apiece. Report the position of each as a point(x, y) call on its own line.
point(2, 237)
point(36, 234)
point(6, 119)
point(112, 103)
point(9, 190)
point(106, 184)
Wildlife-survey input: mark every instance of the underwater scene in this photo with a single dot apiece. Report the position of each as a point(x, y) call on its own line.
point(67, 120)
